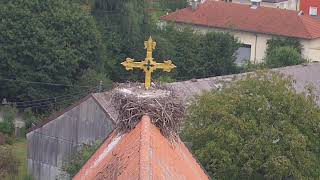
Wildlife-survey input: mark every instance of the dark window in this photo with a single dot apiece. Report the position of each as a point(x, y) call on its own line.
point(243, 54)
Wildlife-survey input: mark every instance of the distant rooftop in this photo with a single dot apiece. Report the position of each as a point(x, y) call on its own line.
point(218, 14)
point(274, 1)
point(303, 75)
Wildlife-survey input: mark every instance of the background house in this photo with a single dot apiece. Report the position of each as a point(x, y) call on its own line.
point(52, 143)
point(282, 4)
point(253, 26)
point(310, 7)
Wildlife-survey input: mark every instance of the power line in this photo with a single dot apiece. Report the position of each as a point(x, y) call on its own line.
point(54, 100)
point(48, 103)
point(37, 82)
point(56, 97)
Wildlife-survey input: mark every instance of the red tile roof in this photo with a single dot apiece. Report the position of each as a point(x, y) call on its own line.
point(144, 153)
point(265, 20)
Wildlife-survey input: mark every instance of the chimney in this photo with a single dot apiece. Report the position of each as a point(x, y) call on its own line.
point(194, 4)
point(255, 4)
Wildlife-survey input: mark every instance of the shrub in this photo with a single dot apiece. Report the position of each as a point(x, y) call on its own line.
point(9, 114)
point(2, 139)
point(80, 158)
point(29, 118)
point(8, 163)
point(283, 56)
point(277, 42)
point(257, 128)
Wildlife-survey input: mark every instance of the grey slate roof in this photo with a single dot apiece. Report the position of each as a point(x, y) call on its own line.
point(303, 74)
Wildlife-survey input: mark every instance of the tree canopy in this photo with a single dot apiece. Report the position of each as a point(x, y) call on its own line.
point(256, 128)
point(47, 41)
point(197, 55)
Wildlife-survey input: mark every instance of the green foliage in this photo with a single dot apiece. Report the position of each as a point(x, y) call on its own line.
point(249, 67)
point(283, 56)
point(125, 25)
point(47, 41)
point(8, 163)
point(172, 4)
point(29, 118)
point(27, 177)
point(277, 42)
point(256, 128)
point(92, 78)
point(283, 52)
point(197, 55)
point(80, 158)
point(9, 114)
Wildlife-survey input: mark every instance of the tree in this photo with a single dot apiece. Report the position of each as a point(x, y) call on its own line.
point(283, 56)
point(197, 55)
point(172, 4)
point(48, 41)
point(125, 25)
point(257, 128)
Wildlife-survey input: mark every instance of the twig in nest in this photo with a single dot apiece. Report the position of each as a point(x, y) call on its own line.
point(166, 113)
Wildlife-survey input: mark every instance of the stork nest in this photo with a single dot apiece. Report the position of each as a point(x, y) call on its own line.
point(167, 113)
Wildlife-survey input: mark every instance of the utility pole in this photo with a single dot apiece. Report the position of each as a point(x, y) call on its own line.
point(100, 86)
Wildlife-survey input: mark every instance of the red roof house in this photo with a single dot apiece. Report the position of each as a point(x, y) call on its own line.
point(144, 153)
point(252, 25)
point(310, 7)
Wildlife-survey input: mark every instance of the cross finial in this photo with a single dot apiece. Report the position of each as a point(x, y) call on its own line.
point(148, 65)
point(150, 45)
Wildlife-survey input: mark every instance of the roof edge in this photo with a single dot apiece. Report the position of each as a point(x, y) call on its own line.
point(104, 110)
point(144, 164)
point(59, 113)
point(243, 30)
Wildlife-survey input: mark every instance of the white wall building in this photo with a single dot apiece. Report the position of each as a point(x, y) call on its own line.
point(252, 25)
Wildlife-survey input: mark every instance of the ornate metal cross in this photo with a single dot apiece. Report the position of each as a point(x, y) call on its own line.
point(148, 65)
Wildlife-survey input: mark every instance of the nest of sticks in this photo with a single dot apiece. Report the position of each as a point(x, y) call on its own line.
point(167, 113)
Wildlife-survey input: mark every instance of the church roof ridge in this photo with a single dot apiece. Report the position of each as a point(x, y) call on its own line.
point(143, 153)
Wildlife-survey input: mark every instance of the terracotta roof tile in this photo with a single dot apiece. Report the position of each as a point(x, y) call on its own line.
point(143, 153)
point(265, 20)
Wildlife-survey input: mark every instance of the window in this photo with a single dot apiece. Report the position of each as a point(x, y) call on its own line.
point(282, 5)
point(313, 11)
point(243, 54)
point(255, 3)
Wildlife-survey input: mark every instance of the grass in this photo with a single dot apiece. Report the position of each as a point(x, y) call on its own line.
point(19, 149)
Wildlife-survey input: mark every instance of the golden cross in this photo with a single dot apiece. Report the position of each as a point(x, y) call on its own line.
point(148, 65)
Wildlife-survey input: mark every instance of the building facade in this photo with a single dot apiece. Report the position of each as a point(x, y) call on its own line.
point(310, 7)
point(282, 4)
point(252, 26)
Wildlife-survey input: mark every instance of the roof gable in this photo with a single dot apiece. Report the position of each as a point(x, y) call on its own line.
point(242, 17)
point(143, 153)
point(101, 99)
